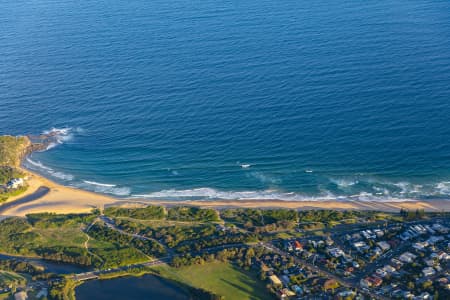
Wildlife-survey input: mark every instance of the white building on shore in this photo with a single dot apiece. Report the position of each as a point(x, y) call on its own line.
point(15, 183)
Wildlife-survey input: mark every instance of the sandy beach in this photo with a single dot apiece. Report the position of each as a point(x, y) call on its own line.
point(59, 199)
point(63, 199)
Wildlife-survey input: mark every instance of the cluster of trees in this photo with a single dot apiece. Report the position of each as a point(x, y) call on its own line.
point(326, 216)
point(278, 226)
point(258, 217)
point(122, 240)
point(151, 212)
point(241, 256)
point(6, 174)
point(182, 213)
point(20, 267)
point(72, 255)
point(12, 149)
point(52, 220)
point(170, 235)
point(215, 241)
point(16, 237)
point(412, 214)
point(262, 220)
point(154, 212)
point(63, 289)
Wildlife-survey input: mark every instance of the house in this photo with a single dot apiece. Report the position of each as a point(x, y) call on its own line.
point(330, 284)
point(14, 183)
point(335, 252)
point(365, 283)
point(361, 246)
point(429, 262)
point(420, 246)
point(275, 280)
point(285, 293)
point(21, 295)
point(298, 290)
point(428, 271)
point(378, 232)
point(384, 246)
point(375, 281)
point(287, 245)
point(407, 257)
point(298, 246)
point(390, 269)
point(423, 296)
point(381, 272)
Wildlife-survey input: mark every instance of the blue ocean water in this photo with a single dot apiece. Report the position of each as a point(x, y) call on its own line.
point(233, 99)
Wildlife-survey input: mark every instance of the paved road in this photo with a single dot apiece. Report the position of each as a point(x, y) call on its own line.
point(40, 192)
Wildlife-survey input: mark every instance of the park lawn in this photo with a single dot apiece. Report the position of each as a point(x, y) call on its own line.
point(221, 278)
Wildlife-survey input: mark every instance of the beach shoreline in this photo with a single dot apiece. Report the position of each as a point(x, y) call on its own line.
point(65, 200)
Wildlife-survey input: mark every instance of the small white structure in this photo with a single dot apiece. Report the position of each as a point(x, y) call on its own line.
point(428, 271)
point(14, 183)
point(384, 245)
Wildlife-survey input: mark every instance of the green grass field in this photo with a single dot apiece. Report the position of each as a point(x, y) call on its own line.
point(221, 278)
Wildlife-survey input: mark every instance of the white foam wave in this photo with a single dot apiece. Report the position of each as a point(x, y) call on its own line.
point(38, 166)
point(63, 176)
point(99, 184)
point(344, 183)
point(104, 188)
point(213, 194)
point(443, 187)
point(264, 178)
point(51, 146)
point(60, 135)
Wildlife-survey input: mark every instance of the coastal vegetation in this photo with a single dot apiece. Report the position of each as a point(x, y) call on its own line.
point(12, 149)
point(122, 241)
point(8, 173)
point(151, 212)
point(155, 212)
point(62, 238)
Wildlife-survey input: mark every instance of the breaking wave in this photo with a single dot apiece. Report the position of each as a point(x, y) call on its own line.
point(40, 167)
point(347, 190)
point(213, 194)
point(104, 188)
point(99, 184)
point(59, 136)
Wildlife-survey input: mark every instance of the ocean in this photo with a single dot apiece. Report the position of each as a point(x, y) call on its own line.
point(180, 100)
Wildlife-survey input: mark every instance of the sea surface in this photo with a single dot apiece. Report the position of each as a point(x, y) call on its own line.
point(207, 99)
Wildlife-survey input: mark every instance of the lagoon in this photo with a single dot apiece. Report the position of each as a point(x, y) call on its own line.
point(145, 287)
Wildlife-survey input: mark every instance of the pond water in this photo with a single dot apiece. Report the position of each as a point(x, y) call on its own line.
point(145, 287)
